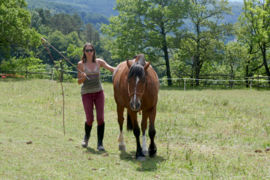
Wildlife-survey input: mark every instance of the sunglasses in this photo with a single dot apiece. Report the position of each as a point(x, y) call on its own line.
point(89, 50)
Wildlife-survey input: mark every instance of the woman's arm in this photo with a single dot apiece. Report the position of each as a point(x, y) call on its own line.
point(81, 75)
point(105, 65)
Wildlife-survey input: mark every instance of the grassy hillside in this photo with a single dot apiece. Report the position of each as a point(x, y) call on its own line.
point(208, 134)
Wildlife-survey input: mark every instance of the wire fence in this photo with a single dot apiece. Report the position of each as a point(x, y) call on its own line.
point(182, 83)
point(213, 82)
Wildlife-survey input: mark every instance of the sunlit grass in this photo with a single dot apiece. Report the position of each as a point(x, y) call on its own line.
point(200, 134)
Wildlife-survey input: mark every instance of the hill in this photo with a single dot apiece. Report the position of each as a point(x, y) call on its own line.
point(236, 11)
point(97, 12)
point(91, 11)
point(101, 7)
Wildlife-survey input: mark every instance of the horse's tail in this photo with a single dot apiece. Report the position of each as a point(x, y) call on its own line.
point(129, 123)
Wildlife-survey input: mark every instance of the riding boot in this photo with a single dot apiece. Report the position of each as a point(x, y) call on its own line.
point(100, 133)
point(87, 129)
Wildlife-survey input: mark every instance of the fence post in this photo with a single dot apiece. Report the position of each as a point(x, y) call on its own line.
point(26, 73)
point(52, 74)
point(61, 71)
point(184, 84)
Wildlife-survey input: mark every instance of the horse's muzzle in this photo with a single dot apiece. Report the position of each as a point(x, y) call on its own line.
point(135, 105)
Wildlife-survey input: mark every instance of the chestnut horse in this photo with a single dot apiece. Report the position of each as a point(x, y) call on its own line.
point(136, 88)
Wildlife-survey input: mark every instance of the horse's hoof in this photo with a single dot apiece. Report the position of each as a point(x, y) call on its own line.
point(152, 152)
point(122, 148)
point(140, 158)
point(145, 152)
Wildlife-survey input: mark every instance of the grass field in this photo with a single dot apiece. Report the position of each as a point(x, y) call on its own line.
point(201, 134)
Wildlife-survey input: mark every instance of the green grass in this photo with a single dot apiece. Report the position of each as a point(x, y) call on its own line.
point(206, 134)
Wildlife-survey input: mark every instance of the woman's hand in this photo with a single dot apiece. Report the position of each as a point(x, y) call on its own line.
point(83, 76)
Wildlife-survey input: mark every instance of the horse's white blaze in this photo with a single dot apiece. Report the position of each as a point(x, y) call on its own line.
point(121, 139)
point(134, 100)
point(135, 90)
point(144, 148)
point(137, 80)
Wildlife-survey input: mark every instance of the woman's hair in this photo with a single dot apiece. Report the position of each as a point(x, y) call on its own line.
point(94, 53)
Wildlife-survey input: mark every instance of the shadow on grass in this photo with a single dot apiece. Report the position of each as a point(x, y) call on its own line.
point(149, 164)
point(94, 151)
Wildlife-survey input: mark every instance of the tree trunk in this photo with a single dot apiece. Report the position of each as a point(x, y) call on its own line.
point(192, 71)
point(197, 56)
point(263, 50)
point(197, 70)
point(166, 56)
point(247, 75)
point(231, 76)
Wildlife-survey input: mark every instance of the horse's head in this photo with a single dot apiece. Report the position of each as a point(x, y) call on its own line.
point(136, 83)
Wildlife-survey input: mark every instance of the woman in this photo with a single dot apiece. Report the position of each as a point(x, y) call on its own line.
point(92, 92)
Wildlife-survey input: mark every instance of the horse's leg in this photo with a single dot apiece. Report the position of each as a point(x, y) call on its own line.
point(136, 132)
point(120, 112)
point(152, 133)
point(145, 115)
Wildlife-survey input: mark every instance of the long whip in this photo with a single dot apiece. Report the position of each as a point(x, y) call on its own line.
point(62, 88)
point(66, 59)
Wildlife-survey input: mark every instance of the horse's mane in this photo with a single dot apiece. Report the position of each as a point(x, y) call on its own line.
point(136, 70)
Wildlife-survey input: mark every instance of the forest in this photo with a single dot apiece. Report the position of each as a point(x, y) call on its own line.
point(210, 39)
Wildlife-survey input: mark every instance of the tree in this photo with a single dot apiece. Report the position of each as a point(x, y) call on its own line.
point(205, 33)
point(91, 34)
point(145, 26)
point(45, 16)
point(66, 23)
point(256, 25)
point(60, 42)
point(244, 35)
point(235, 56)
point(15, 27)
point(24, 66)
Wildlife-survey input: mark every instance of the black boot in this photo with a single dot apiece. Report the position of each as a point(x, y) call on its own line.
point(87, 129)
point(100, 133)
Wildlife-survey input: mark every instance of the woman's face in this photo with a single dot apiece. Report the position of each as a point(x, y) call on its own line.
point(89, 51)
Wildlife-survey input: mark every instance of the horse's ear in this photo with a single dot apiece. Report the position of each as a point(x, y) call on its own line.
point(128, 64)
point(146, 66)
point(137, 58)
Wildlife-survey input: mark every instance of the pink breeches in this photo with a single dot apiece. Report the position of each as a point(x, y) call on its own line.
point(91, 99)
